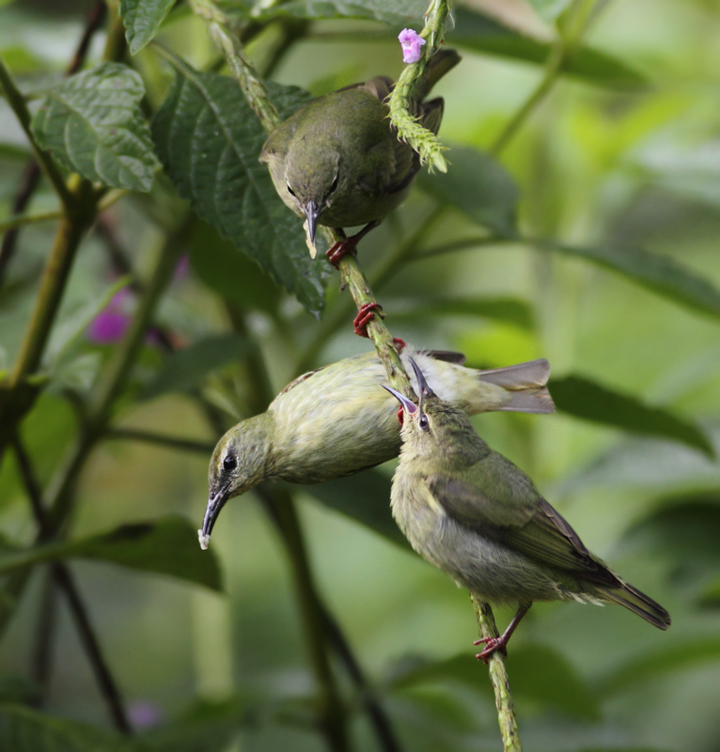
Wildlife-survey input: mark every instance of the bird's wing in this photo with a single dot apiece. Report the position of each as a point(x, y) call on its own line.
point(499, 501)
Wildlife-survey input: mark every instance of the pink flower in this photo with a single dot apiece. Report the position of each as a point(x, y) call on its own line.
point(411, 42)
point(112, 322)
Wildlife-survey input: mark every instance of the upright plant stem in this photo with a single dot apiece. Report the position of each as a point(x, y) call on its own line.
point(499, 678)
point(66, 583)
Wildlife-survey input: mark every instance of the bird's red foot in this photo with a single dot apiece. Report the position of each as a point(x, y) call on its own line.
point(400, 345)
point(365, 315)
point(491, 645)
point(341, 249)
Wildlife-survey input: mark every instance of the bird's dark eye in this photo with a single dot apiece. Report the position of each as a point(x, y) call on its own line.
point(291, 191)
point(334, 184)
point(424, 423)
point(230, 462)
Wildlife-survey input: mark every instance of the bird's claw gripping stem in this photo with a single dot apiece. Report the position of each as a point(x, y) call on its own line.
point(365, 315)
point(491, 645)
point(342, 248)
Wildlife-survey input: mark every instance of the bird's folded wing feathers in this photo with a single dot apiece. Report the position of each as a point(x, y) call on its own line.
point(514, 514)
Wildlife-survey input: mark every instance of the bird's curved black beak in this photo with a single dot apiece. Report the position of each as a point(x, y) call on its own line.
point(215, 503)
point(312, 212)
point(408, 405)
point(423, 388)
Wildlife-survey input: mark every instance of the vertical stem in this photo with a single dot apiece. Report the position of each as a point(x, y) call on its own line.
point(281, 508)
point(44, 638)
point(499, 678)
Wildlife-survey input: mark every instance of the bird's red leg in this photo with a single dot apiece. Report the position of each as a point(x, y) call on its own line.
point(365, 315)
point(500, 643)
point(400, 344)
point(348, 245)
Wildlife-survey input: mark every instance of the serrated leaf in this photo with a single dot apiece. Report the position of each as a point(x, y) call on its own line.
point(187, 368)
point(142, 19)
point(238, 279)
point(661, 274)
point(165, 546)
point(479, 186)
point(539, 673)
point(92, 123)
point(210, 141)
point(26, 730)
point(586, 399)
point(365, 498)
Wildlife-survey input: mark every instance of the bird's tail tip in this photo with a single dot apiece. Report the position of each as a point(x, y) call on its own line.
point(640, 604)
point(526, 384)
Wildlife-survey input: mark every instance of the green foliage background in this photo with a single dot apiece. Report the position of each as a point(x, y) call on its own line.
point(589, 239)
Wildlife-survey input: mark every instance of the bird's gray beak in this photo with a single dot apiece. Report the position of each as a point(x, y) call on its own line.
point(408, 405)
point(312, 212)
point(215, 503)
point(423, 388)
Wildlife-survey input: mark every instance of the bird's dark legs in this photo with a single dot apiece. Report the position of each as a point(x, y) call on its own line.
point(365, 315)
point(348, 245)
point(500, 643)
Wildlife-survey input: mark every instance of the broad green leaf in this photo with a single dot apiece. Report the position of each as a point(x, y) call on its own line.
point(661, 274)
point(26, 730)
point(478, 32)
point(92, 123)
point(473, 30)
point(210, 140)
point(549, 10)
point(513, 311)
point(187, 368)
point(237, 278)
point(539, 673)
point(681, 653)
point(586, 399)
point(165, 546)
point(142, 19)
point(684, 531)
point(364, 497)
point(477, 185)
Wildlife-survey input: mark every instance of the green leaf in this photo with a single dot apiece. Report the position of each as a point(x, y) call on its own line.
point(586, 399)
point(549, 10)
point(477, 185)
point(238, 279)
point(478, 32)
point(365, 498)
point(473, 30)
point(513, 311)
point(142, 19)
point(92, 123)
point(187, 368)
point(165, 546)
point(539, 673)
point(210, 141)
point(25, 730)
point(682, 653)
point(661, 274)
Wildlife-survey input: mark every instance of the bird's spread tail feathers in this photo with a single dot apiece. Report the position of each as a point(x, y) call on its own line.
point(527, 384)
point(640, 604)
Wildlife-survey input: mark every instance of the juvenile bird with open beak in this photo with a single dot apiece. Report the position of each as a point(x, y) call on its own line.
point(479, 518)
point(336, 421)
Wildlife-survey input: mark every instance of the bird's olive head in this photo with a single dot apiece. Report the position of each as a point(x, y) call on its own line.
point(314, 174)
point(238, 463)
point(428, 421)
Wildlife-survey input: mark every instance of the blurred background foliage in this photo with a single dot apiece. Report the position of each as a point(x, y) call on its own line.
point(590, 238)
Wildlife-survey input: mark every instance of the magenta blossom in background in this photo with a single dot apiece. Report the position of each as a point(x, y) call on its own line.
point(144, 714)
point(112, 322)
point(411, 42)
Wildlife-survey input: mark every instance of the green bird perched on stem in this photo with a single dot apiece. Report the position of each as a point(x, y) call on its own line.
point(335, 421)
point(475, 515)
point(338, 161)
